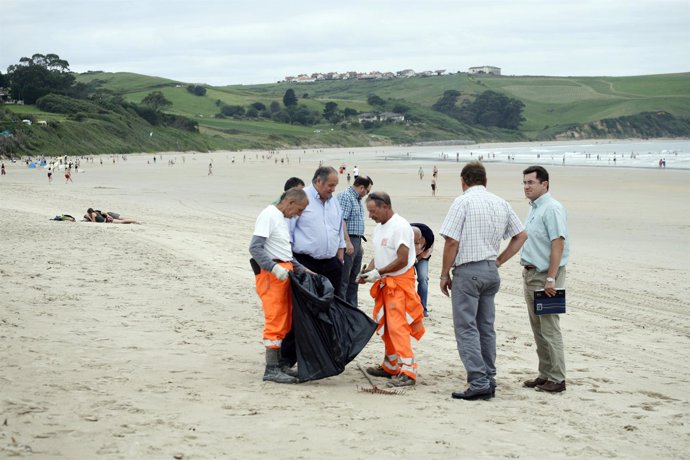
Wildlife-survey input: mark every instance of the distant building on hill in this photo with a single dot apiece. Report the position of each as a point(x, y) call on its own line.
point(485, 69)
point(384, 116)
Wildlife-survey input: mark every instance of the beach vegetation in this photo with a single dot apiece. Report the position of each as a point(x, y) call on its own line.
point(196, 90)
point(233, 110)
point(37, 76)
point(156, 100)
point(375, 100)
point(289, 98)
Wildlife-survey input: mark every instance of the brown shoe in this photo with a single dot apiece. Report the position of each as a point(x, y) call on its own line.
point(552, 387)
point(533, 383)
point(378, 372)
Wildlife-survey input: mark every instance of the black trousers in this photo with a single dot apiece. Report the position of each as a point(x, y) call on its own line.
point(330, 268)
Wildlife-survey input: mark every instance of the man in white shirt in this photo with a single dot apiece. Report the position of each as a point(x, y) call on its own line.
point(272, 252)
point(397, 310)
point(473, 228)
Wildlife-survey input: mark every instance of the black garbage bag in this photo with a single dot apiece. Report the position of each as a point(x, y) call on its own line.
point(327, 332)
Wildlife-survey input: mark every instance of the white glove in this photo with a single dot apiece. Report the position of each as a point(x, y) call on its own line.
point(371, 276)
point(280, 272)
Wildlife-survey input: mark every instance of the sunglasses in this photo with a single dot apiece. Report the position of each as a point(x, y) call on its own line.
point(377, 197)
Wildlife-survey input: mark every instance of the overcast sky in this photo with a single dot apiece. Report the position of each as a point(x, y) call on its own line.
point(259, 41)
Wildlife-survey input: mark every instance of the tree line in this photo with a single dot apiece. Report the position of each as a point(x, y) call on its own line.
point(290, 112)
point(47, 82)
point(490, 109)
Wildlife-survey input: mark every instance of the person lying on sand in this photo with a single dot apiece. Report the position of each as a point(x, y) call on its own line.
point(109, 217)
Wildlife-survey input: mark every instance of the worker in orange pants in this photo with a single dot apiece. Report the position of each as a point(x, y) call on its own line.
point(276, 299)
point(272, 262)
point(398, 309)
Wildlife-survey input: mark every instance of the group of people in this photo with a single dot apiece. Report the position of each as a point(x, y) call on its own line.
point(473, 228)
point(310, 229)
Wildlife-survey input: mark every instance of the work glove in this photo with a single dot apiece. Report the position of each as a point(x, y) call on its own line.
point(370, 276)
point(280, 272)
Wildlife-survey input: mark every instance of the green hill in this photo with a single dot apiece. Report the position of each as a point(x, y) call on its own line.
point(554, 107)
point(549, 101)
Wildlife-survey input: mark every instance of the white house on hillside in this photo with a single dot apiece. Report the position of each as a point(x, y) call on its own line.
point(485, 69)
point(384, 116)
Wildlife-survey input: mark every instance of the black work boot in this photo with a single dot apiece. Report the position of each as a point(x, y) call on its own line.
point(285, 366)
point(273, 371)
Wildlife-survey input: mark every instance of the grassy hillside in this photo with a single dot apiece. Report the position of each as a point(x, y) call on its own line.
point(554, 107)
point(549, 101)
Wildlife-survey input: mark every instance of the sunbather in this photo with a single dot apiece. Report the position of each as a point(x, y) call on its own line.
point(107, 217)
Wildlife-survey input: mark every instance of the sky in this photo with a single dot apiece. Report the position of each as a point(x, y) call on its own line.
point(257, 41)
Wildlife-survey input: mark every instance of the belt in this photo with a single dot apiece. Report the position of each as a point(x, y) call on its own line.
point(357, 236)
point(530, 267)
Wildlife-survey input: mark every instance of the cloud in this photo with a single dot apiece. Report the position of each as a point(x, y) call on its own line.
point(226, 42)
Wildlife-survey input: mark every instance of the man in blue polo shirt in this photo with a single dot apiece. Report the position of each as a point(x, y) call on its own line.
point(353, 217)
point(544, 256)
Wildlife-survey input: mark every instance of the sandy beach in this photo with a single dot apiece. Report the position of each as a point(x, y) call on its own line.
point(144, 341)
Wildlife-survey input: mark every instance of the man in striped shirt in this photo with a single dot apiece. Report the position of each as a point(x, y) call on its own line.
point(473, 229)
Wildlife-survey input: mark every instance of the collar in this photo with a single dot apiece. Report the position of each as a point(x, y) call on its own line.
point(475, 188)
point(541, 200)
point(313, 193)
point(354, 193)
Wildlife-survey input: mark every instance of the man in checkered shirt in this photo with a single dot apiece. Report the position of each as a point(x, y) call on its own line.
point(473, 229)
point(353, 217)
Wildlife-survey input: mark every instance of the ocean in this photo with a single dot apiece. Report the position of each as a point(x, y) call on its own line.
point(613, 153)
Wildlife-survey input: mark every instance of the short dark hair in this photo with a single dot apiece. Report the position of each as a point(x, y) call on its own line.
point(542, 174)
point(293, 182)
point(363, 180)
point(474, 173)
point(382, 197)
point(322, 173)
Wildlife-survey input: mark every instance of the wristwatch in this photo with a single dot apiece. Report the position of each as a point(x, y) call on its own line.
point(550, 280)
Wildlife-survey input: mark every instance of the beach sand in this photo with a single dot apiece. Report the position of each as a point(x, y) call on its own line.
point(144, 341)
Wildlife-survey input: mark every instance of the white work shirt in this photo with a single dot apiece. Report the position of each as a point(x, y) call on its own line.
point(387, 239)
point(272, 225)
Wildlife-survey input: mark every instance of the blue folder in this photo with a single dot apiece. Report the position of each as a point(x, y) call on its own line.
point(544, 305)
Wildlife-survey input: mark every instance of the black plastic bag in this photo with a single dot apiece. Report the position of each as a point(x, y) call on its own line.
point(327, 332)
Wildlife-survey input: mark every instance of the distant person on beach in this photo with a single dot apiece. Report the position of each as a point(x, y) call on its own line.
point(318, 239)
point(397, 308)
point(107, 217)
point(544, 256)
point(355, 172)
point(476, 223)
point(68, 176)
point(421, 173)
point(210, 169)
point(352, 209)
point(272, 261)
point(2, 170)
point(433, 185)
point(423, 246)
point(50, 175)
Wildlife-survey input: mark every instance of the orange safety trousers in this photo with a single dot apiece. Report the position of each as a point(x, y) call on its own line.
point(399, 313)
point(276, 299)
